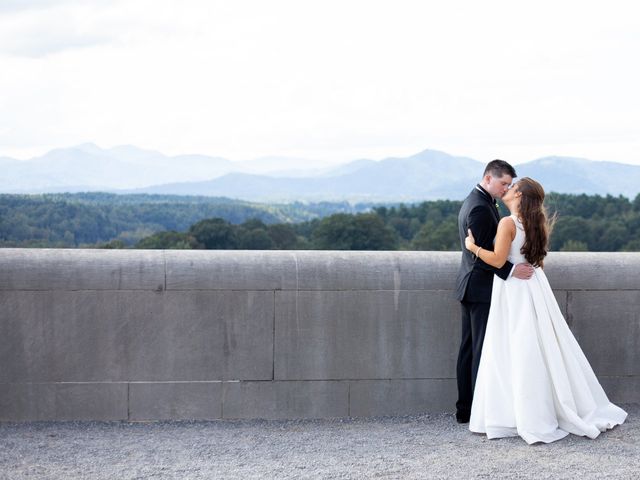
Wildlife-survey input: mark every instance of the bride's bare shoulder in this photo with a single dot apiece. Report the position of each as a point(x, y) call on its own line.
point(507, 224)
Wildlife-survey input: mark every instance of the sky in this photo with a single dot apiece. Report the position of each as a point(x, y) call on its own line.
point(328, 81)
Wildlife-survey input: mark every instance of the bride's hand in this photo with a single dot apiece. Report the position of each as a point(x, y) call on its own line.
point(469, 241)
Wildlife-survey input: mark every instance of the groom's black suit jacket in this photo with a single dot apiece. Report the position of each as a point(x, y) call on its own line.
point(475, 278)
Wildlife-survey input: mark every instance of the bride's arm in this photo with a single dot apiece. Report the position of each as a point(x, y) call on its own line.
point(498, 257)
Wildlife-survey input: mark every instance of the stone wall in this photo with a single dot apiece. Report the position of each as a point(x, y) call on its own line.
point(146, 335)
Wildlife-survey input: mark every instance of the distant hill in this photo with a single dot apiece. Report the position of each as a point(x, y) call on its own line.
point(89, 168)
point(428, 175)
point(579, 175)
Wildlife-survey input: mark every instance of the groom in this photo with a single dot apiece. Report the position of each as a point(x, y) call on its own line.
point(474, 283)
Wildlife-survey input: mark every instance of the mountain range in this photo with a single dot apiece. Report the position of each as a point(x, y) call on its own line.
point(427, 175)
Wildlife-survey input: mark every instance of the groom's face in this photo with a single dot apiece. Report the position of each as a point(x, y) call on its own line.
point(498, 186)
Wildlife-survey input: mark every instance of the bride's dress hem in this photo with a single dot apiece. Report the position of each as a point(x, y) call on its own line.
point(602, 425)
point(493, 433)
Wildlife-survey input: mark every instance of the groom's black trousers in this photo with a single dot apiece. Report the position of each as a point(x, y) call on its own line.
point(474, 324)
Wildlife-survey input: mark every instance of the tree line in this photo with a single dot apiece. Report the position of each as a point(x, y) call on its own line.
point(91, 219)
point(584, 223)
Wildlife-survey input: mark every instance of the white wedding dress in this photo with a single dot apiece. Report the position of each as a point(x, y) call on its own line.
point(534, 380)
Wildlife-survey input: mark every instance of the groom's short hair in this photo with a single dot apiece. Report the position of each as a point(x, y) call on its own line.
point(498, 168)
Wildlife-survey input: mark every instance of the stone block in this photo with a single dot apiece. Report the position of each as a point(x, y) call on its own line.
point(365, 335)
point(175, 400)
point(66, 269)
point(607, 327)
point(621, 389)
point(282, 400)
point(230, 270)
point(349, 270)
point(206, 335)
point(561, 298)
point(87, 336)
point(402, 397)
point(582, 270)
point(63, 401)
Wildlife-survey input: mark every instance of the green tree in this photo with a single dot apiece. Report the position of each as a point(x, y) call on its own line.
point(114, 244)
point(168, 240)
point(632, 246)
point(402, 226)
point(574, 246)
point(437, 237)
point(365, 231)
point(215, 233)
point(613, 237)
point(283, 236)
point(570, 228)
point(256, 239)
point(253, 223)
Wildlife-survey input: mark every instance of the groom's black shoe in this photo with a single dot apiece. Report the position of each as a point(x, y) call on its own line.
point(462, 417)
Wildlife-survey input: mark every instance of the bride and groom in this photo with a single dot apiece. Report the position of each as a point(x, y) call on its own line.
point(520, 370)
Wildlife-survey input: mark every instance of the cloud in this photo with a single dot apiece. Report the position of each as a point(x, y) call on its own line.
point(52, 42)
point(37, 28)
point(15, 6)
point(321, 79)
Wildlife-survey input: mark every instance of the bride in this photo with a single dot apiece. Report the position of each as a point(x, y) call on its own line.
point(533, 379)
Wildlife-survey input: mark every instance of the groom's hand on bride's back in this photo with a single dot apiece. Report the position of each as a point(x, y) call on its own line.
point(523, 271)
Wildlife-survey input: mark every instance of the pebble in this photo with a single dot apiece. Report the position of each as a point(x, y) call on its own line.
point(406, 447)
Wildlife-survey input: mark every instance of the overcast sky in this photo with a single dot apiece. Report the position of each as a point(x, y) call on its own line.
point(325, 80)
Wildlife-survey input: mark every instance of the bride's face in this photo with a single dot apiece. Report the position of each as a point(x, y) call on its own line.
point(512, 197)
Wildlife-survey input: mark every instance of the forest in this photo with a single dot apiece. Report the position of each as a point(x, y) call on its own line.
point(85, 220)
point(97, 220)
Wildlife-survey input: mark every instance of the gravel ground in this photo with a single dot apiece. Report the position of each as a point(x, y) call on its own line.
point(407, 447)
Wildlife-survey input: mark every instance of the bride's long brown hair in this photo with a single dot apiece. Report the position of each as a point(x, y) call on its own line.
point(537, 227)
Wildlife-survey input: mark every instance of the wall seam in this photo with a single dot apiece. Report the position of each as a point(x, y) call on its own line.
point(273, 340)
point(569, 309)
point(223, 395)
point(164, 260)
